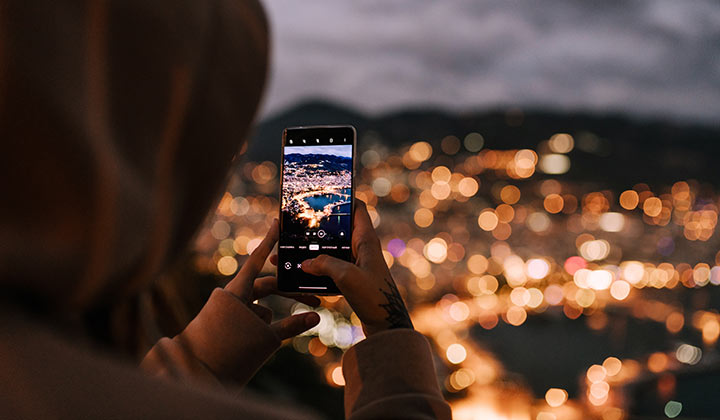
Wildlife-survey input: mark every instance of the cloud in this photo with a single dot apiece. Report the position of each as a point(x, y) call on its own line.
point(650, 58)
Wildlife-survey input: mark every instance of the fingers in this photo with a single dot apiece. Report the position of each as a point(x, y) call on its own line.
point(362, 219)
point(241, 285)
point(324, 265)
point(261, 311)
point(294, 325)
point(266, 286)
point(274, 259)
point(309, 300)
point(366, 245)
point(256, 261)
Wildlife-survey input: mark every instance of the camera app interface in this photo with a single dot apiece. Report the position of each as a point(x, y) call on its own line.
point(316, 203)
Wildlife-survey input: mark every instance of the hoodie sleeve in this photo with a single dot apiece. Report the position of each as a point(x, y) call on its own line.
point(225, 342)
point(391, 375)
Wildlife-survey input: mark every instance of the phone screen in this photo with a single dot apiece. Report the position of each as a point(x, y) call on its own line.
point(316, 210)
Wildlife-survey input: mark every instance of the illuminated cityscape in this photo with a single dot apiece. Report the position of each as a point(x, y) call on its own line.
point(307, 176)
point(482, 239)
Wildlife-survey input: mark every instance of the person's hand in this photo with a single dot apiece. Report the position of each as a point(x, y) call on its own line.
point(249, 289)
point(367, 285)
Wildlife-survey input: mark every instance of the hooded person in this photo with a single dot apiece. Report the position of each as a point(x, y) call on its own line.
point(120, 121)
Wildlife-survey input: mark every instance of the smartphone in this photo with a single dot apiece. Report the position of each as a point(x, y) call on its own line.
point(317, 192)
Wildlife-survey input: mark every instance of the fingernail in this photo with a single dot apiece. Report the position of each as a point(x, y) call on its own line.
point(307, 262)
point(312, 319)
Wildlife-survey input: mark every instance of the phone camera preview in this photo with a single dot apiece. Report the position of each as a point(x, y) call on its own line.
point(316, 203)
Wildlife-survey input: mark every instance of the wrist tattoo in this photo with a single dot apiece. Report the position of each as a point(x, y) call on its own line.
point(397, 313)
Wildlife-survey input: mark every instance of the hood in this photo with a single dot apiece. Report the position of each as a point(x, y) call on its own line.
point(119, 122)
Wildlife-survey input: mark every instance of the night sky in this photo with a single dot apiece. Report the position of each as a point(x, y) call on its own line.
point(646, 58)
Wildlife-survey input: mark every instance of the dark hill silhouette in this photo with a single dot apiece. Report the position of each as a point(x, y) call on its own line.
point(330, 162)
point(619, 151)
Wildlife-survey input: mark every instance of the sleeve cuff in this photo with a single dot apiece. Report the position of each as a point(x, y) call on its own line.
point(394, 362)
point(229, 338)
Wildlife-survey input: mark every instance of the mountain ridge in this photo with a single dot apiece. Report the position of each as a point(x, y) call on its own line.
point(330, 162)
point(628, 150)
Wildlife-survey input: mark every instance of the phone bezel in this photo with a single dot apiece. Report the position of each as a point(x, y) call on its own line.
point(332, 288)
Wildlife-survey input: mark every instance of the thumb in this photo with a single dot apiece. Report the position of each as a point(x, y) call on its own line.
point(294, 325)
point(325, 265)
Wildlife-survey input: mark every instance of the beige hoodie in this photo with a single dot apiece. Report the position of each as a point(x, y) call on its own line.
point(119, 121)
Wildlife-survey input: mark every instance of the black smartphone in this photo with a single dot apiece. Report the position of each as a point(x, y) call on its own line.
point(317, 192)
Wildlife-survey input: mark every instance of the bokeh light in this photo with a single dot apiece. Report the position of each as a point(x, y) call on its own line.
point(482, 240)
point(556, 397)
point(456, 353)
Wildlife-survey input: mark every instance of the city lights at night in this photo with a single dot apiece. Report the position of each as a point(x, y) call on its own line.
point(317, 176)
point(478, 238)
